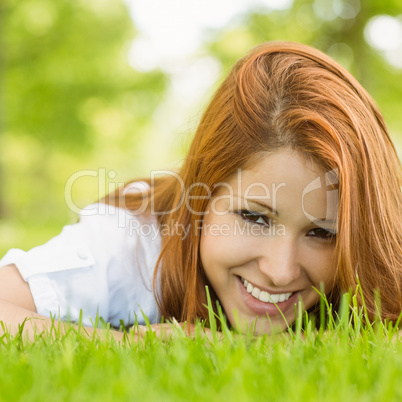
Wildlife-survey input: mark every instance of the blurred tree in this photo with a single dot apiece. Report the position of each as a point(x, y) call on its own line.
point(337, 28)
point(1, 108)
point(68, 93)
point(69, 100)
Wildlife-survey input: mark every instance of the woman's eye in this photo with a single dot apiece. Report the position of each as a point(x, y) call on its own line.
point(254, 217)
point(322, 234)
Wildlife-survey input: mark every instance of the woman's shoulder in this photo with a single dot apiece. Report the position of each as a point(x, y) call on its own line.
point(106, 217)
point(102, 232)
point(102, 263)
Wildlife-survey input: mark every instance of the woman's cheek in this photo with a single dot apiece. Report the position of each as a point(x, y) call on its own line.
point(319, 264)
point(226, 248)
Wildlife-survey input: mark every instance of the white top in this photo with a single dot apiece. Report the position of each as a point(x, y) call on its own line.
point(102, 264)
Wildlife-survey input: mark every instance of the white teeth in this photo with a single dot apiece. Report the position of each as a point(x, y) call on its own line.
point(264, 296)
point(274, 298)
point(256, 293)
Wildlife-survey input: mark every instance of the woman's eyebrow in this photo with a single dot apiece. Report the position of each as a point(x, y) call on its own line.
point(324, 223)
point(319, 221)
point(261, 204)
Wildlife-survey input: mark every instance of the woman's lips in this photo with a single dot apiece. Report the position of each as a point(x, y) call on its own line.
point(265, 308)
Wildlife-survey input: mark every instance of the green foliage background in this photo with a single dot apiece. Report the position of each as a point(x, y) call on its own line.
point(70, 101)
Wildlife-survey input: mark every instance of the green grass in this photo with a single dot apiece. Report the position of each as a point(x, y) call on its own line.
point(346, 361)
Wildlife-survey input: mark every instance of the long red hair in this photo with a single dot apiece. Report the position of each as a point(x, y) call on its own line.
point(289, 95)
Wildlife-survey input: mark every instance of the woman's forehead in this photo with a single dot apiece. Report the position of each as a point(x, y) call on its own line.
point(285, 182)
point(284, 165)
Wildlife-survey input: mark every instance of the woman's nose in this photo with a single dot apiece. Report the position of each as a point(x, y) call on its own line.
point(279, 261)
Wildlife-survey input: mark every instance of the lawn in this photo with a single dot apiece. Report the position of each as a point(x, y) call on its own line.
point(346, 361)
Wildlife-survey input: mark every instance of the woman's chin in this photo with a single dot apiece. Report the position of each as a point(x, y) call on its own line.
point(259, 326)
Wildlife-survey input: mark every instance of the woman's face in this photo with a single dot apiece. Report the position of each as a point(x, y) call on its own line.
point(268, 237)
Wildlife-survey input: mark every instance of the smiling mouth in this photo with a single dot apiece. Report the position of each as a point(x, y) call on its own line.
point(264, 296)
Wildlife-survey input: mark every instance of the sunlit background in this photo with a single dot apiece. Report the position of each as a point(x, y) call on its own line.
point(117, 88)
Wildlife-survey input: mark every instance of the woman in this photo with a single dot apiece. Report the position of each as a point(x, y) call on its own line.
point(291, 183)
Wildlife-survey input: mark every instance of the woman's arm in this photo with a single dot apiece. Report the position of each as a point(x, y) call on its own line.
point(14, 289)
point(17, 306)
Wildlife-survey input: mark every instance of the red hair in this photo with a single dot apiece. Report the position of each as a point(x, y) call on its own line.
point(290, 95)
